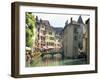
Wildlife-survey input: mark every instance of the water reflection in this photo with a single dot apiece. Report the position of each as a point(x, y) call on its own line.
point(53, 60)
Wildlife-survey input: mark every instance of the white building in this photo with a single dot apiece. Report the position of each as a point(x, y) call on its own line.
point(73, 38)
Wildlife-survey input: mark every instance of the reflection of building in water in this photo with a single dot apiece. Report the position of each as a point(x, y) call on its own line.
point(74, 39)
point(47, 38)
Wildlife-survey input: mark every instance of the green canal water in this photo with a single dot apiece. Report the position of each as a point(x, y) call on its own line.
point(56, 62)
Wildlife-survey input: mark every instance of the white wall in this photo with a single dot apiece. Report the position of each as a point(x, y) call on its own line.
point(5, 40)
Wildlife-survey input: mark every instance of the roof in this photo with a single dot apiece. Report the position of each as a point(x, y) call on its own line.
point(87, 21)
point(71, 23)
point(80, 20)
point(49, 28)
point(46, 22)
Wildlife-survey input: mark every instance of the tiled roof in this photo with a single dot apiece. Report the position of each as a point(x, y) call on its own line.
point(48, 26)
point(46, 22)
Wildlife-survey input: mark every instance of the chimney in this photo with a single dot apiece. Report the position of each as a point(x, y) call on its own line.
point(71, 19)
point(40, 20)
point(36, 18)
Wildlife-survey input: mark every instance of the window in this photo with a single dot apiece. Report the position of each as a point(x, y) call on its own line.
point(43, 26)
point(52, 44)
point(58, 45)
point(51, 38)
point(75, 49)
point(50, 33)
point(43, 44)
point(75, 30)
point(42, 38)
point(75, 37)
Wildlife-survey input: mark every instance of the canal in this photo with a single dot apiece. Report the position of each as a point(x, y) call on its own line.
point(57, 61)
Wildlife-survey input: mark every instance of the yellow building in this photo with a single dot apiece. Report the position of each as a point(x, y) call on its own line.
point(50, 39)
point(46, 38)
point(58, 43)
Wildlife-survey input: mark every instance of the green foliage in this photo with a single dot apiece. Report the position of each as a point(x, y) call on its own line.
point(28, 37)
point(30, 26)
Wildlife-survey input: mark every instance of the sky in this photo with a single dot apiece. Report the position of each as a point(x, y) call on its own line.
point(58, 20)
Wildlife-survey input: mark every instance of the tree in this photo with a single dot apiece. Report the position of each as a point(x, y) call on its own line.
point(30, 26)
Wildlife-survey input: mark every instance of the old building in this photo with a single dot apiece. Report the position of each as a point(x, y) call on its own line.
point(81, 31)
point(86, 40)
point(75, 38)
point(86, 36)
point(47, 38)
point(40, 41)
point(71, 39)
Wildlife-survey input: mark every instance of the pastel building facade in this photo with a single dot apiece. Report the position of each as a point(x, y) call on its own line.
point(46, 36)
